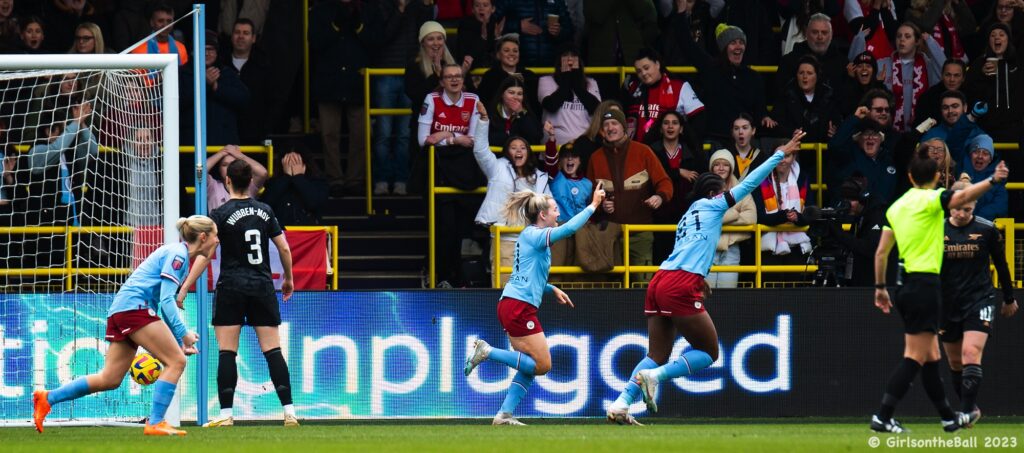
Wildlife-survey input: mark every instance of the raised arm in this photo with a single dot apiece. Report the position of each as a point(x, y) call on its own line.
point(976, 190)
point(577, 221)
point(762, 171)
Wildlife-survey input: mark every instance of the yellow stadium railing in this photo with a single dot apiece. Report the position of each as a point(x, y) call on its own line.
point(69, 271)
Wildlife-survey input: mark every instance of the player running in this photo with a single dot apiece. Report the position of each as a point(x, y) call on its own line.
point(675, 296)
point(132, 321)
point(968, 297)
point(915, 221)
point(245, 291)
point(517, 309)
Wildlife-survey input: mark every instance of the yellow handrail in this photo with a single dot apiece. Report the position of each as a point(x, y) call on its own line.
point(69, 271)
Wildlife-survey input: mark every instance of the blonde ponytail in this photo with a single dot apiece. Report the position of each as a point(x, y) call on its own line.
point(523, 207)
point(190, 228)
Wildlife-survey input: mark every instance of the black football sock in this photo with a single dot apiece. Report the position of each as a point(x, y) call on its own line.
point(279, 375)
point(972, 382)
point(227, 378)
point(899, 383)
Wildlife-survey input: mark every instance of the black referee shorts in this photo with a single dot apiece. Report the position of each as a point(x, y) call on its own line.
point(919, 301)
point(252, 303)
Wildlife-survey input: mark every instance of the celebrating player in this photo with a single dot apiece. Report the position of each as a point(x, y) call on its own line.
point(968, 297)
point(132, 321)
point(245, 291)
point(676, 294)
point(916, 222)
point(517, 309)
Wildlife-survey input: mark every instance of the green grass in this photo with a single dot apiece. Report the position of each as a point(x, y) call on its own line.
point(562, 436)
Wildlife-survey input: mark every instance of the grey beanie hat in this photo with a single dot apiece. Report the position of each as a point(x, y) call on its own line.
point(725, 34)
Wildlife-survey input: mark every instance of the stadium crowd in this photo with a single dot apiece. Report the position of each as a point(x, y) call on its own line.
point(873, 79)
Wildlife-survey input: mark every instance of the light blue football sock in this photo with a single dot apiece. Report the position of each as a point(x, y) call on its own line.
point(691, 362)
point(631, 393)
point(70, 391)
point(163, 392)
point(514, 359)
point(516, 391)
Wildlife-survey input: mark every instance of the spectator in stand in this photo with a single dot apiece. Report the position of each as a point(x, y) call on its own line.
point(63, 15)
point(652, 91)
point(1006, 12)
point(683, 163)
point(702, 28)
point(780, 200)
point(798, 17)
point(618, 29)
point(592, 140)
point(863, 77)
point(831, 55)
point(875, 105)
point(568, 97)
point(863, 155)
point(876, 22)
point(808, 104)
point(217, 166)
point(297, 193)
point(508, 63)
point(9, 158)
point(743, 213)
point(953, 72)
point(635, 181)
point(982, 164)
point(956, 128)
point(744, 151)
point(542, 26)
point(731, 86)
point(997, 79)
point(162, 15)
point(511, 115)
point(10, 30)
point(753, 17)
point(130, 23)
point(909, 72)
point(254, 11)
point(253, 69)
point(395, 48)
point(947, 21)
point(144, 188)
point(88, 38)
point(226, 97)
point(516, 170)
point(477, 33)
point(339, 34)
point(570, 189)
point(53, 177)
point(32, 36)
point(447, 120)
point(939, 152)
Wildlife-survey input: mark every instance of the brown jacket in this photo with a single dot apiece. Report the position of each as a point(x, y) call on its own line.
point(630, 176)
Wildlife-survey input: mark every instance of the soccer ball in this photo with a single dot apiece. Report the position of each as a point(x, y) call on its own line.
point(145, 369)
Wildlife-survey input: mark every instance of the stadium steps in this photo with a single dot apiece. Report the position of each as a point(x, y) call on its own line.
point(383, 251)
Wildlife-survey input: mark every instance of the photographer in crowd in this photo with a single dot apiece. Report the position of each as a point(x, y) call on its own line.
point(854, 249)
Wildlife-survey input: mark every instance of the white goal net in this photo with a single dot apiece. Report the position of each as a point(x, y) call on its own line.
point(90, 179)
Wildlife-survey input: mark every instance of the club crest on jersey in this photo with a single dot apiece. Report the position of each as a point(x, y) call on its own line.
point(151, 312)
point(529, 325)
point(465, 116)
point(973, 236)
point(177, 263)
point(423, 110)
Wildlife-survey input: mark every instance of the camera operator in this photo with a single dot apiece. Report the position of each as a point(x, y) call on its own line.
point(866, 214)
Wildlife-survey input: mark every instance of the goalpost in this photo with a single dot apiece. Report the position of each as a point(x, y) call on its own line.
point(90, 186)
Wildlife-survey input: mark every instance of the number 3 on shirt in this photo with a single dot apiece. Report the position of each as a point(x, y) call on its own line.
point(252, 237)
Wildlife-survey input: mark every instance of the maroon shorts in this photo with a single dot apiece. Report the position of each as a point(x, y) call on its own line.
point(675, 293)
point(518, 318)
point(121, 325)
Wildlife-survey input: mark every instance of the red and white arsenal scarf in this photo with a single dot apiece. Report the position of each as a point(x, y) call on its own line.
point(919, 84)
point(955, 47)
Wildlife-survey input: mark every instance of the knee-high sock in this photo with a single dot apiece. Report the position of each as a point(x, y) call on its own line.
point(933, 386)
point(520, 383)
point(958, 381)
point(691, 362)
point(72, 390)
point(972, 382)
point(227, 378)
point(514, 359)
point(279, 375)
point(897, 387)
point(632, 391)
point(163, 392)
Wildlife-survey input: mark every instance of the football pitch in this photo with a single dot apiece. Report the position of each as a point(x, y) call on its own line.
point(556, 435)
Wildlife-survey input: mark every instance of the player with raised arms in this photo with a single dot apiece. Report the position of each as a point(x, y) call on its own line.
point(517, 308)
point(969, 298)
point(245, 291)
point(132, 321)
point(675, 297)
point(915, 222)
